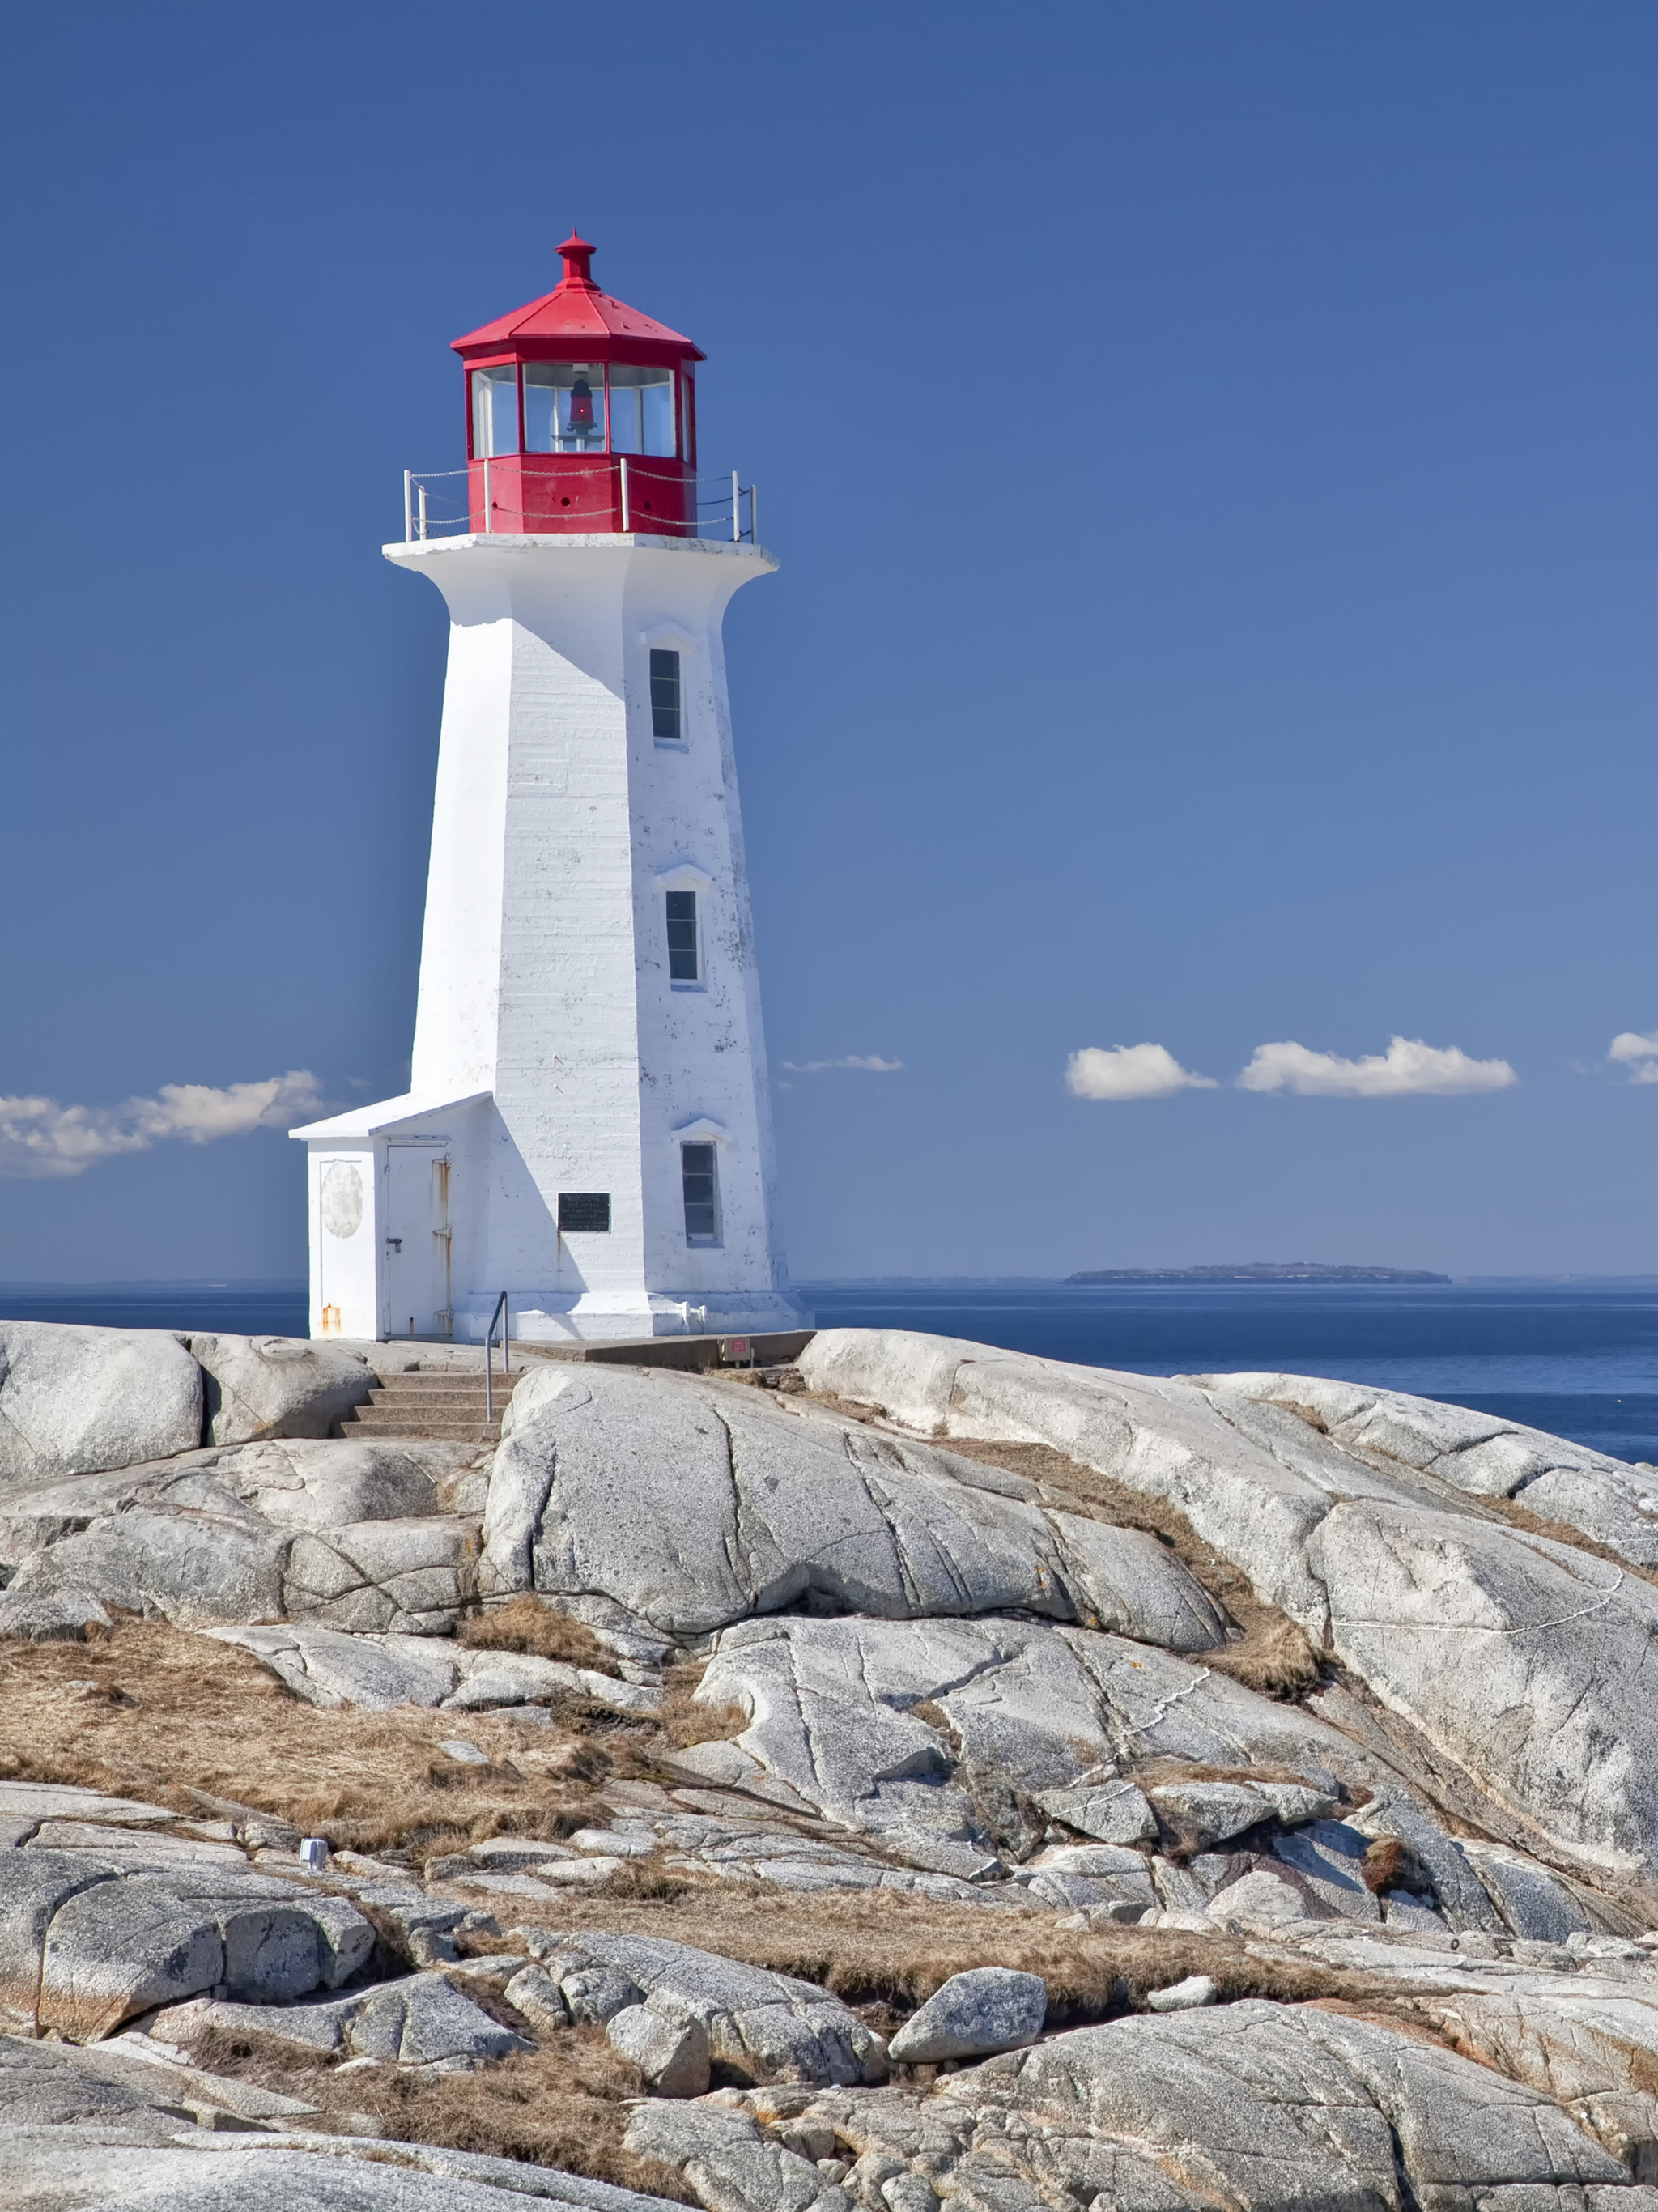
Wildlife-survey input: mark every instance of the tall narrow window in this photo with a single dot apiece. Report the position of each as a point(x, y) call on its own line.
point(700, 1173)
point(685, 955)
point(495, 411)
point(664, 695)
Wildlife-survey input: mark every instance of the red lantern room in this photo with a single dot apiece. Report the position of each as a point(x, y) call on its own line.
point(581, 415)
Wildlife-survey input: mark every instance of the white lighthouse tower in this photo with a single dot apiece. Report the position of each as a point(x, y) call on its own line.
point(588, 1127)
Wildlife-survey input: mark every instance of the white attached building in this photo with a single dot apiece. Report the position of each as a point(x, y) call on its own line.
point(588, 1129)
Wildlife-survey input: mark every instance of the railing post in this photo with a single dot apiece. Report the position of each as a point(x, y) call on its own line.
point(626, 524)
point(503, 1314)
point(486, 494)
point(736, 518)
point(407, 506)
point(754, 513)
point(422, 510)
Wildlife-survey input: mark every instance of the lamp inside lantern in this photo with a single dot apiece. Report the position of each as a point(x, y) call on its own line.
point(581, 408)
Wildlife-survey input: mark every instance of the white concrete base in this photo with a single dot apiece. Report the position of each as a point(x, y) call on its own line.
point(538, 1320)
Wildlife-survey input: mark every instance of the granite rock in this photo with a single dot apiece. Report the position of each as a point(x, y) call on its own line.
point(760, 2026)
point(420, 2020)
point(972, 2015)
point(74, 1400)
point(1520, 1660)
point(276, 1386)
point(693, 1507)
point(1482, 1454)
point(170, 2166)
point(671, 2049)
point(85, 1944)
point(329, 1667)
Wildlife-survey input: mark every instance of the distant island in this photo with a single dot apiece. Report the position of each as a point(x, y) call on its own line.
point(1260, 1271)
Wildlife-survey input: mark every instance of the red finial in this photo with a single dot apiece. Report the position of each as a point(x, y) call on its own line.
point(577, 254)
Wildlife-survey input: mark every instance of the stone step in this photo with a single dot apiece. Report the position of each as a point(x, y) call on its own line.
point(442, 1407)
point(427, 1386)
point(372, 1425)
point(437, 1401)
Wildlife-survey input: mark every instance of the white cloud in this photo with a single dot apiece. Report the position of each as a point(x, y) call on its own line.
point(1639, 1053)
point(1407, 1069)
point(1130, 1071)
point(871, 1063)
point(39, 1137)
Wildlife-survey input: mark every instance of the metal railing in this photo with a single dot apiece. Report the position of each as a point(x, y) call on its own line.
point(500, 1315)
point(428, 512)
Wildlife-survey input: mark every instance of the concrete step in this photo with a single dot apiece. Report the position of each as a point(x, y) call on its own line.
point(447, 1378)
point(438, 1401)
point(444, 1407)
point(381, 1425)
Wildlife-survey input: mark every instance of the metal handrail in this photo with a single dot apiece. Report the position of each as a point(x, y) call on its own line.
point(500, 1315)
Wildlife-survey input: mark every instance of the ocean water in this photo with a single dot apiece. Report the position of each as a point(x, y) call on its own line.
point(1579, 1359)
point(236, 1308)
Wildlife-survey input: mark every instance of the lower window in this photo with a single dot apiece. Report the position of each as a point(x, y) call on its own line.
point(699, 1173)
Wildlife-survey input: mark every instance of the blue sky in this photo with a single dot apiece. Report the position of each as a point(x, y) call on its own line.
point(1212, 453)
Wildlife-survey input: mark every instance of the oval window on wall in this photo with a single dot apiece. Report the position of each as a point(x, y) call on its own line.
point(342, 1199)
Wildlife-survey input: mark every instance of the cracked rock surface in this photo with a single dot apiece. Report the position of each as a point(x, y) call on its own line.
point(1271, 1683)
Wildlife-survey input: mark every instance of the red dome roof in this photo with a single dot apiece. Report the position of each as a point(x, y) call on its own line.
point(576, 317)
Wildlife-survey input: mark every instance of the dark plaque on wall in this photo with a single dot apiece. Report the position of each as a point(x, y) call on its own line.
point(581, 1213)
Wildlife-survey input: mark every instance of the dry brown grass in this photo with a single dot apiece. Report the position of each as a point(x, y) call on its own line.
point(1310, 1415)
point(166, 1713)
point(525, 1624)
point(890, 1950)
point(685, 1722)
point(563, 2106)
point(1273, 1655)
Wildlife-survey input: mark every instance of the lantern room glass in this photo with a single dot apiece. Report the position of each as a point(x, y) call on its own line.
point(641, 410)
point(564, 407)
point(495, 411)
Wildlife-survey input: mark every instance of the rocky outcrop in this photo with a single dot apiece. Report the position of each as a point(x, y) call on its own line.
point(191, 2170)
point(1522, 1661)
point(968, 1690)
point(419, 2021)
point(342, 1534)
point(1480, 1453)
point(105, 2129)
point(327, 1667)
point(76, 1399)
point(1249, 2104)
point(692, 1507)
point(276, 1386)
point(758, 2026)
point(85, 1944)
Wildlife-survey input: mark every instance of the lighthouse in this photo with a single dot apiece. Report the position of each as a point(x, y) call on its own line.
point(588, 1127)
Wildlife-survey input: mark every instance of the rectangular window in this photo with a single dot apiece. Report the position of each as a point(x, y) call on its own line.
point(564, 407)
point(699, 1173)
point(495, 411)
point(584, 1213)
point(665, 721)
point(641, 410)
point(685, 955)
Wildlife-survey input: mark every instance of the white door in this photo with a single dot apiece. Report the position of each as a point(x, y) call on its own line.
point(416, 1241)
